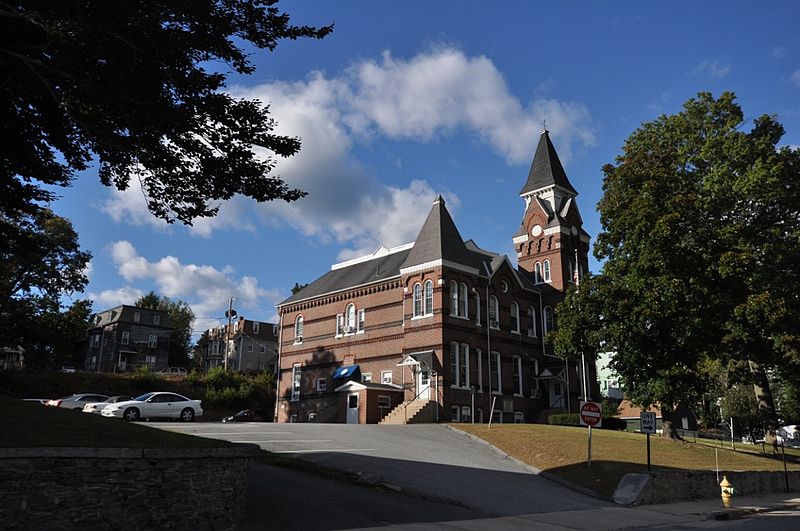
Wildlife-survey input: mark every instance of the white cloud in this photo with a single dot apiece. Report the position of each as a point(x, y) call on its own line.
point(205, 288)
point(115, 297)
point(712, 69)
point(425, 98)
point(796, 78)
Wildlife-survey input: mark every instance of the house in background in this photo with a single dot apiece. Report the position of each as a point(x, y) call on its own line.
point(441, 329)
point(11, 358)
point(251, 346)
point(127, 337)
point(607, 378)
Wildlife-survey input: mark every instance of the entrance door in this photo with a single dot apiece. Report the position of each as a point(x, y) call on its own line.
point(123, 362)
point(352, 408)
point(556, 394)
point(423, 384)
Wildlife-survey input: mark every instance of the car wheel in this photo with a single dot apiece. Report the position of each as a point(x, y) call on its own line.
point(131, 414)
point(187, 415)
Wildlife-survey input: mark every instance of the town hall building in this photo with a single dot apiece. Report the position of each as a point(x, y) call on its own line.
point(440, 329)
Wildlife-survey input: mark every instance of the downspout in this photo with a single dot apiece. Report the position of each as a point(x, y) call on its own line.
point(278, 366)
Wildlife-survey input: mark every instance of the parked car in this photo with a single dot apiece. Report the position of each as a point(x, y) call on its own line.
point(97, 407)
point(67, 368)
point(173, 371)
point(76, 401)
point(249, 415)
point(155, 405)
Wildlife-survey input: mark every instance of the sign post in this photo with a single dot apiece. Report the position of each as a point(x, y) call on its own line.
point(591, 415)
point(647, 424)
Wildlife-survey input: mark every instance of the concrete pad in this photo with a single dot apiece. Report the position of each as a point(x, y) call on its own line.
point(630, 489)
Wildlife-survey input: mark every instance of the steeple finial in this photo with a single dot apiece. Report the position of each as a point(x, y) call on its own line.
point(439, 200)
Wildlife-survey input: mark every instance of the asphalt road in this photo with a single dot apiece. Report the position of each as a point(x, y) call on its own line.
point(425, 459)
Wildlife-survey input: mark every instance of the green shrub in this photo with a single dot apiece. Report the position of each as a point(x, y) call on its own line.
point(564, 419)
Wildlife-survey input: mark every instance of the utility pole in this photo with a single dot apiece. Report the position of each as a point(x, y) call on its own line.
point(229, 314)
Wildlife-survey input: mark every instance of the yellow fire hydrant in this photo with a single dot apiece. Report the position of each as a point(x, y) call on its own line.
point(727, 491)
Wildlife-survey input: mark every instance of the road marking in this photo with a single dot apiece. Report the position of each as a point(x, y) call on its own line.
point(289, 441)
point(326, 450)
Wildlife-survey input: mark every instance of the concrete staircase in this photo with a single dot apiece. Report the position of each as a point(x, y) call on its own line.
point(411, 412)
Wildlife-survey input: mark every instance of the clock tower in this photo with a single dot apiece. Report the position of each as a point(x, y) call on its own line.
point(551, 243)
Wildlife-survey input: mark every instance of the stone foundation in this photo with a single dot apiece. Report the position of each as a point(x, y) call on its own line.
point(121, 488)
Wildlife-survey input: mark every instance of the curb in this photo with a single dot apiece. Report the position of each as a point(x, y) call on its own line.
point(734, 514)
point(546, 475)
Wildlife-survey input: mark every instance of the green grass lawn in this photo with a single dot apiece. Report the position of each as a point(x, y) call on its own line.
point(562, 451)
point(30, 424)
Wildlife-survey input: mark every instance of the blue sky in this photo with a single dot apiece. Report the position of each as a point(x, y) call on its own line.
point(406, 100)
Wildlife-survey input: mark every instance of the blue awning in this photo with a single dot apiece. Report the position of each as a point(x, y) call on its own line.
point(345, 372)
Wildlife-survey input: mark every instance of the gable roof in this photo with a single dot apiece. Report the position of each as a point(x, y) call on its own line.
point(546, 169)
point(357, 274)
point(439, 239)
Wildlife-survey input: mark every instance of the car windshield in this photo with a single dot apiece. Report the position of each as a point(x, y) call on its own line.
point(143, 397)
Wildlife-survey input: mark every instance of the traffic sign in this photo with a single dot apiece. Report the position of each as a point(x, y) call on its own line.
point(591, 414)
point(647, 422)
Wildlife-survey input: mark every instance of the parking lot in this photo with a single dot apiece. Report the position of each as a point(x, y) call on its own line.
point(425, 459)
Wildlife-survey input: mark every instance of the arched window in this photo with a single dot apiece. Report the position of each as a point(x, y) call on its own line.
point(493, 312)
point(453, 297)
point(350, 318)
point(549, 324)
point(417, 300)
point(462, 300)
point(546, 270)
point(514, 317)
point(429, 297)
point(531, 321)
point(477, 308)
point(537, 272)
point(298, 328)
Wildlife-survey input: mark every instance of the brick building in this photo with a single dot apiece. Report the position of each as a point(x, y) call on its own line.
point(127, 337)
point(440, 329)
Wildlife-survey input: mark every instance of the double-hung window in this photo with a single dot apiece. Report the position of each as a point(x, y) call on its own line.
point(516, 369)
point(515, 317)
point(296, 375)
point(417, 300)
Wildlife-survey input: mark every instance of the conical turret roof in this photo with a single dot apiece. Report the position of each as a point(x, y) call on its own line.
point(439, 239)
point(546, 170)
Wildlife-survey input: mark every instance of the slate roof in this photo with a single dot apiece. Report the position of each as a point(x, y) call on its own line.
point(439, 239)
point(355, 275)
point(546, 168)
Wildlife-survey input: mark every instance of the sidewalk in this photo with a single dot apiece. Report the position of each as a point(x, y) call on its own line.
point(620, 517)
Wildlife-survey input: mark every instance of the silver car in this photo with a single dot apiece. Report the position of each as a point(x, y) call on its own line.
point(76, 402)
point(97, 407)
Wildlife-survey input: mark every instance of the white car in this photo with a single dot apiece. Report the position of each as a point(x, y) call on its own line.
point(76, 401)
point(97, 407)
point(155, 405)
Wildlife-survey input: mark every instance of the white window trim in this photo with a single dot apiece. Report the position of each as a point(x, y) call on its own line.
point(546, 271)
point(417, 296)
point(463, 299)
point(454, 293)
point(366, 377)
point(156, 320)
point(296, 381)
point(496, 305)
point(298, 337)
point(479, 356)
point(152, 340)
point(499, 381)
point(255, 328)
point(532, 321)
point(384, 380)
point(347, 320)
point(324, 386)
point(477, 308)
point(515, 304)
point(427, 309)
point(361, 321)
point(517, 361)
point(455, 413)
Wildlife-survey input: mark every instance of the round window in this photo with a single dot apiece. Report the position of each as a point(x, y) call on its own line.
point(504, 286)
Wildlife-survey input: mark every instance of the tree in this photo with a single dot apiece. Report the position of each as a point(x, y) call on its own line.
point(701, 242)
point(297, 287)
point(139, 86)
point(181, 318)
point(53, 336)
point(40, 261)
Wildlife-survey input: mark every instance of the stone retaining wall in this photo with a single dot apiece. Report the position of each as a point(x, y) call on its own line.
point(123, 488)
point(675, 486)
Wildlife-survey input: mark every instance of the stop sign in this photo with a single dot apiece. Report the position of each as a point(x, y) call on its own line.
point(591, 414)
